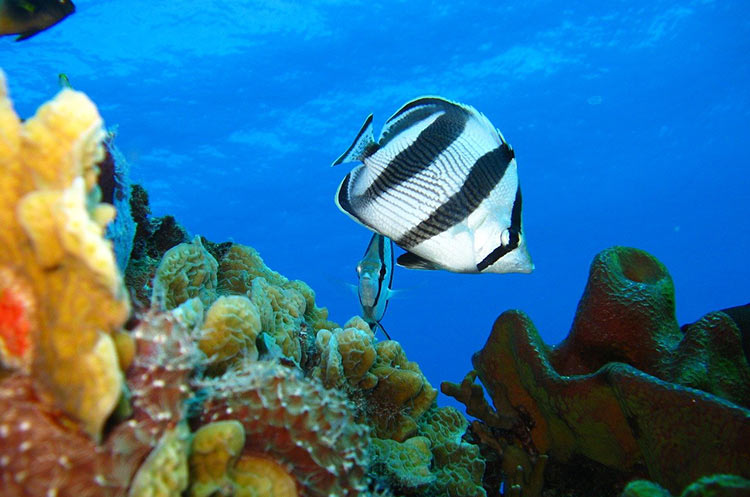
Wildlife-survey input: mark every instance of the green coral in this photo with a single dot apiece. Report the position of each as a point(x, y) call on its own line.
point(404, 465)
point(708, 486)
point(186, 271)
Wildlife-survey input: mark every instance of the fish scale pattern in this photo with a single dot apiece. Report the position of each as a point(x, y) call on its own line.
point(308, 429)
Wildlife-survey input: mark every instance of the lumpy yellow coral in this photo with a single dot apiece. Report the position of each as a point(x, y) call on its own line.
point(215, 449)
point(346, 356)
point(257, 476)
point(218, 467)
point(231, 326)
point(239, 266)
point(402, 393)
point(51, 238)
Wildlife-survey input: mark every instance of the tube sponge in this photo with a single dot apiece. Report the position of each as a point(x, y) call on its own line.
point(628, 300)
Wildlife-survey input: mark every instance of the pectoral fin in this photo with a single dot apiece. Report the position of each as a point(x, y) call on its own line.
point(413, 261)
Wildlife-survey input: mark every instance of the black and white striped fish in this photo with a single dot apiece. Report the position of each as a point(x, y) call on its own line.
point(442, 183)
point(375, 272)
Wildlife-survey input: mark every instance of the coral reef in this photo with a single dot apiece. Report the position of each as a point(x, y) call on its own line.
point(44, 451)
point(153, 237)
point(186, 271)
point(622, 390)
point(229, 379)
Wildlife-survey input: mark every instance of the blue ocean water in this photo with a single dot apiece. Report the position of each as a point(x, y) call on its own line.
point(630, 122)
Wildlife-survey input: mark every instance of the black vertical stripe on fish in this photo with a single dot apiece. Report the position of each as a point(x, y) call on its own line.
point(384, 270)
point(515, 235)
point(419, 155)
point(381, 272)
point(483, 177)
point(419, 110)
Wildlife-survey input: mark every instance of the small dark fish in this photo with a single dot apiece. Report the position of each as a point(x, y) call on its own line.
point(29, 17)
point(442, 183)
point(375, 272)
point(62, 78)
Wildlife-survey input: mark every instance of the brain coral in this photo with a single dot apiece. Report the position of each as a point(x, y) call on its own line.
point(230, 328)
point(346, 356)
point(308, 430)
point(186, 271)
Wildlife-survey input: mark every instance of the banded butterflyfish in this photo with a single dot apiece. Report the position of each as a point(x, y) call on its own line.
point(375, 272)
point(442, 183)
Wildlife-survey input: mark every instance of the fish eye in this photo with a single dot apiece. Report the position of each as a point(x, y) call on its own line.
point(505, 237)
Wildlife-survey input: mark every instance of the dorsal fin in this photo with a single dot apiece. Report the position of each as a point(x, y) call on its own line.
point(363, 146)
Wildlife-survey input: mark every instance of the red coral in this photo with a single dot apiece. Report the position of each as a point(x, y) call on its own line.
point(44, 452)
point(16, 318)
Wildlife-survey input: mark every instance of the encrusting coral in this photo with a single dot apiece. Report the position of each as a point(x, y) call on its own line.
point(612, 392)
point(308, 430)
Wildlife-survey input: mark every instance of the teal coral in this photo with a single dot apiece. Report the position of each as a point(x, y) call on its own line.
point(405, 465)
point(458, 465)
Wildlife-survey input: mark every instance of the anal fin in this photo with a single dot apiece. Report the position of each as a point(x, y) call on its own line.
point(413, 261)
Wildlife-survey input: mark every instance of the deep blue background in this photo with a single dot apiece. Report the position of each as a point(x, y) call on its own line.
point(630, 121)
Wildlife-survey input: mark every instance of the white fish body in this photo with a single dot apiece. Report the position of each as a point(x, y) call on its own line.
point(442, 183)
